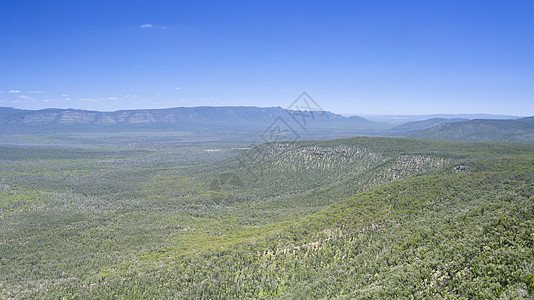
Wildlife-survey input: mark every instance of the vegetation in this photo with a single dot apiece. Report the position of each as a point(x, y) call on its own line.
point(513, 131)
point(145, 215)
point(415, 126)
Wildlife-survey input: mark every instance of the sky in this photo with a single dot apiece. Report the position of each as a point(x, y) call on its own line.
point(352, 57)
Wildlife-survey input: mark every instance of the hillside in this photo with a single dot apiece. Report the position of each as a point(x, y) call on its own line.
point(401, 119)
point(480, 130)
point(355, 218)
point(411, 127)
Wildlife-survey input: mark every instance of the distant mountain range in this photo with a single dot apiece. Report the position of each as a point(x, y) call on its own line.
point(242, 121)
point(180, 118)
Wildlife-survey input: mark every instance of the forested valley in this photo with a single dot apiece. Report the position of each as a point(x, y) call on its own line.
point(154, 215)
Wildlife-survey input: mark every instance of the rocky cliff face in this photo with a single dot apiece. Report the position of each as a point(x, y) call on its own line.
point(70, 117)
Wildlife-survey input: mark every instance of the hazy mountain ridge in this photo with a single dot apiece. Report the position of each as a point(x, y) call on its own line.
point(227, 116)
point(482, 130)
point(402, 119)
point(424, 124)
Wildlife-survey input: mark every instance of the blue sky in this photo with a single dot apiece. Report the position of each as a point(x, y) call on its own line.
point(352, 57)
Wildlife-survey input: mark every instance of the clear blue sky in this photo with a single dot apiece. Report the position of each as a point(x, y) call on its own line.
point(353, 57)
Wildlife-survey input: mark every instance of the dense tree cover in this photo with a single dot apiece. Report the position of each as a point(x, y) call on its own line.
point(351, 218)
